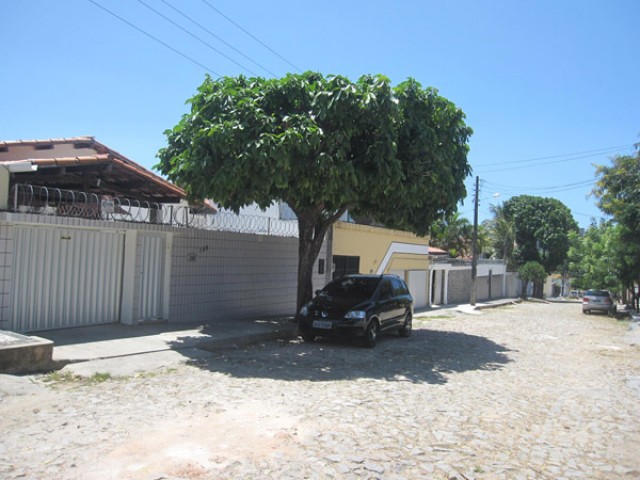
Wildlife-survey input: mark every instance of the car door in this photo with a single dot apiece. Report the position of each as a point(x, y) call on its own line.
point(400, 295)
point(385, 305)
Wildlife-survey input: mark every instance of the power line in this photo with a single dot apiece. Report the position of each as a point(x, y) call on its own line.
point(545, 163)
point(166, 45)
point(193, 35)
point(217, 37)
point(511, 189)
point(598, 150)
point(251, 35)
point(602, 215)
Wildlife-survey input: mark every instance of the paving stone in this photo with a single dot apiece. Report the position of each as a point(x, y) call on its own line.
point(523, 392)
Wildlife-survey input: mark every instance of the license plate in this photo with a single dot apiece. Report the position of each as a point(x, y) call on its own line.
point(322, 324)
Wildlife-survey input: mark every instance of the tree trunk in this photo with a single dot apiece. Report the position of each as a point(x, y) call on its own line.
point(311, 236)
point(308, 249)
point(538, 289)
point(312, 228)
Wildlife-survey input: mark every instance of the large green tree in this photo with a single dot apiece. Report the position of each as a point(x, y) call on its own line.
point(541, 227)
point(618, 193)
point(593, 257)
point(323, 145)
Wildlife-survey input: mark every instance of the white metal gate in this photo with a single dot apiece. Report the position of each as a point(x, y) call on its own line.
point(64, 277)
point(417, 283)
point(151, 277)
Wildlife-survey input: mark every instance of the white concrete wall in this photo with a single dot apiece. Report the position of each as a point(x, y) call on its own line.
point(211, 274)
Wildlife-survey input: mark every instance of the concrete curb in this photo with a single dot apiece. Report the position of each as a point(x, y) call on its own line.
point(24, 354)
point(497, 304)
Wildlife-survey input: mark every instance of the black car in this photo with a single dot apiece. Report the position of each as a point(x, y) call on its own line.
point(358, 306)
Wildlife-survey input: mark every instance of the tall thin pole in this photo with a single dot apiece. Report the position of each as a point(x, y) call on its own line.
point(474, 246)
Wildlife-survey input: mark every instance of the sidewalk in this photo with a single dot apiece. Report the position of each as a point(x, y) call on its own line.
point(465, 307)
point(122, 350)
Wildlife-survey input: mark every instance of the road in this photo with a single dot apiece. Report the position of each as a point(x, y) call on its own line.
point(530, 391)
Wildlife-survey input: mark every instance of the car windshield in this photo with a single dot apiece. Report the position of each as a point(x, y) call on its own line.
point(351, 287)
point(597, 293)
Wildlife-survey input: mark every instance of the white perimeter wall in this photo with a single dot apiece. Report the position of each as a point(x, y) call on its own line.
point(209, 275)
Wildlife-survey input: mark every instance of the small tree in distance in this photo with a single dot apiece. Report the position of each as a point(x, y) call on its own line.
point(323, 145)
point(531, 272)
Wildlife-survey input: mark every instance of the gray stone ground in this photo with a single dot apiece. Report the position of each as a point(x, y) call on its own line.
point(528, 391)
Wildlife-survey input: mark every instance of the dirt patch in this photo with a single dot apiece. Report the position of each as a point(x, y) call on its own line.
point(198, 446)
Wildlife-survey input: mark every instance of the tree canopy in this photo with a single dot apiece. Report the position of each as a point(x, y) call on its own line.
point(453, 234)
point(531, 272)
point(618, 193)
point(541, 226)
point(323, 145)
point(593, 258)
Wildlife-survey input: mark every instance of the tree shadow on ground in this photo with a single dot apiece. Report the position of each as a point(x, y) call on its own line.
point(428, 356)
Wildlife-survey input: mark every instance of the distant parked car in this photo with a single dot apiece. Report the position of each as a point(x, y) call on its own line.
point(358, 306)
point(599, 301)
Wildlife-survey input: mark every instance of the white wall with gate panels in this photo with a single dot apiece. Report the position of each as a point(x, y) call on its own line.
point(226, 274)
point(418, 286)
point(64, 277)
point(152, 276)
point(204, 276)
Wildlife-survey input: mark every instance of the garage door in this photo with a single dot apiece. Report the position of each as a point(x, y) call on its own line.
point(418, 287)
point(65, 277)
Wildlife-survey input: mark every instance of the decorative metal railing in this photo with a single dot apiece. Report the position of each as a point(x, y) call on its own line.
point(70, 203)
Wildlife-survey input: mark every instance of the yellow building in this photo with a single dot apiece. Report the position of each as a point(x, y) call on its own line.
point(368, 249)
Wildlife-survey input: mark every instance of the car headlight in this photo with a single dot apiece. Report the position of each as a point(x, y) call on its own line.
point(356, 314)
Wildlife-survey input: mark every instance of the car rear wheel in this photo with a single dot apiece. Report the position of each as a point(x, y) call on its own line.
point(407, 328)
point(371, 334)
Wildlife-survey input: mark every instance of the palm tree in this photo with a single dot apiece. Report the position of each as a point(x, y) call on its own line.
point(453, 234)
point(502, 235)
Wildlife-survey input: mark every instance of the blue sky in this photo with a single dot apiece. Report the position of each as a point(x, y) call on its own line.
point(549, 87)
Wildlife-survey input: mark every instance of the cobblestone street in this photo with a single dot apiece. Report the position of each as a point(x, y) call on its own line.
point(531, 391)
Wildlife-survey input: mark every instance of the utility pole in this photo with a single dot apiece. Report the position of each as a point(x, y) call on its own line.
point(474, 246)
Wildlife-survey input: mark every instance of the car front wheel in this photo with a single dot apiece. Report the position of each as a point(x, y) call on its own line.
point(371, 334)
point(407, 328)
point(308, 337)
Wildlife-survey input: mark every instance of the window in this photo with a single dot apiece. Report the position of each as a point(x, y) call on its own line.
point(385, 290)
point(321, 266)
point(398, 287)
point(345, 265)
point(350, 287)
